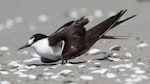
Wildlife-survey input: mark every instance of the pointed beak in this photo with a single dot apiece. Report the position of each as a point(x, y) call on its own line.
point(24, 46)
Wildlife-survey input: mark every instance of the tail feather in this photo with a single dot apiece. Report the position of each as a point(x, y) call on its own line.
point(99, 30)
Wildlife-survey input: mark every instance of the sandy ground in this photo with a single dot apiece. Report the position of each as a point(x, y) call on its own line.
point(20, 19)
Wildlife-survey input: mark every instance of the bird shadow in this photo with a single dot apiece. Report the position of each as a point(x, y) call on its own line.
point(105, 58)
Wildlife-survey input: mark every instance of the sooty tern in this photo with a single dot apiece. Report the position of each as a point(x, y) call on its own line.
point(72, 39)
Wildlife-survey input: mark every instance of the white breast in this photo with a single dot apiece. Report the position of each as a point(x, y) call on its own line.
point(50, 52)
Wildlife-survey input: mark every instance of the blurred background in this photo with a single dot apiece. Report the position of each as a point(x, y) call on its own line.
point(20, 19)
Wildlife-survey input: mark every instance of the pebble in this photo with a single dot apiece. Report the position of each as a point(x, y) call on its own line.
point(91, 68)
point(5, 82)
point(4, 48)
point(9, 23)
point(127, 54)
point(86, 77)
point(81, 66)
point(14, 64)
point(31, 76)
point(4, 72)
point(48, 73)
point(93, 51)
point(101, 71)
point(139, 71)
point(110, 75)
point(65, 72)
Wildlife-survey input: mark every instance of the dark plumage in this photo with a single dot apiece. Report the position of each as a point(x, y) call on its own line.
point(78, 40)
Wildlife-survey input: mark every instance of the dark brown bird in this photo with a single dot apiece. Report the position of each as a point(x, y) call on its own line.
point(72, 39)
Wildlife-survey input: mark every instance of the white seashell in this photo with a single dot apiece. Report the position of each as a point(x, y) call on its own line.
point(56, 77)
point(110, 75)
point(101, 71)
point(4, 48)
point(97, 63)
point(65, 72)
point(98, 13)
point(31, 67)
point(93, 51)
point(68, 64)
point(139, 71)
point(133, 75)
point(142, 45)
point(45, 69)
point(14, 64)
point(5, 82)
point(4, 72)
point(48, 73)
point(91, 68)
point(130, 65)
point(81, 66)
point(32, 59)
point(122, 69)
point(43, 18)
point(31, 76)
point(115, 47)
point(114, 59)
point(140, 63)
point(86, 77)
point(128, 54)
point(9, 23)
point(143, 77)
point(23, 75)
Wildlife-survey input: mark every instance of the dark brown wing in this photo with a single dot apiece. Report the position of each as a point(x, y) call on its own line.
point(75, 39)
point(99, 30)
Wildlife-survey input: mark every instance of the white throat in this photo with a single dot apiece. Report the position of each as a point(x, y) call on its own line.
point(50, 52)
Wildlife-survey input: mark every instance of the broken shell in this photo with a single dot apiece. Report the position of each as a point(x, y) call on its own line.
point(116, 48)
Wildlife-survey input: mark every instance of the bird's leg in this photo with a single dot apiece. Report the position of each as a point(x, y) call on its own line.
point(62, 62)
point(66, 61)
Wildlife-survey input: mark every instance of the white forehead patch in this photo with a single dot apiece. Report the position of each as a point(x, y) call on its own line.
point(31, 41)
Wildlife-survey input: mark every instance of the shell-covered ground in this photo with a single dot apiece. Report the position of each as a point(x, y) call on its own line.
point(130, 57)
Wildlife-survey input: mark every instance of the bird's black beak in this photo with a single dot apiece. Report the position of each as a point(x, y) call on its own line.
point(24, 46)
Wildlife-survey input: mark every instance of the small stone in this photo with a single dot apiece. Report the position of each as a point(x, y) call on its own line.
point(110, 75)
point(93, 51)
point(31, 76)
point(81, 66)
point(128, 54)
point(4, 48)
point(86, 77)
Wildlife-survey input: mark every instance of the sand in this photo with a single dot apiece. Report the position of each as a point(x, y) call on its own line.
point(20, 19)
